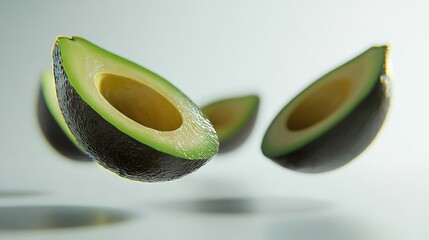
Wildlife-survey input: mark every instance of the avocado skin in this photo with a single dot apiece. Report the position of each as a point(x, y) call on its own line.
point(227, 145)
point(54, 134)
point(234, 142)
point(111, 148)
point(347, 139)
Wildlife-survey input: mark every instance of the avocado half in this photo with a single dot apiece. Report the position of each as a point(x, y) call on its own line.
point(130, 120)
point(333, 120)
point(52, 123)
point(233, 119)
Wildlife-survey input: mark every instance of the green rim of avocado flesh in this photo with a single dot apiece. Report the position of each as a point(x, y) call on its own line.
point(233, 119)
point(334, 119)
point(52, 123)
point(129, 119)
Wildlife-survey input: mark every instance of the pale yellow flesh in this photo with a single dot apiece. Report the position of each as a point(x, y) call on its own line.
point(230, 115)
point(86, 65)
point(223, 121)
point(320, 104)
point(323, 104)
point(139, 102)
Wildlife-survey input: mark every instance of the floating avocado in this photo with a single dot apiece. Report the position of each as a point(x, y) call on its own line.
point(233, 119)
point(52, 123)
point(130, 120)
point(334, 119)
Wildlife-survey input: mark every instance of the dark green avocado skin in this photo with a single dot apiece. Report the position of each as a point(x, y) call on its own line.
point(54, 134)
point(110, 147)
point(234, 142)
point(347, 139)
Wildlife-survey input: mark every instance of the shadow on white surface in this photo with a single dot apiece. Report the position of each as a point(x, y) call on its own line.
point(248, 206)
point(21, 218)
point(13, 193)
point(263, 218)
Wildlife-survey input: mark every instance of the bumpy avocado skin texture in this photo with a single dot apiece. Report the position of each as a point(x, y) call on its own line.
point(347, 139)
point(229, 144)
point(54, 134)
point(110, 147)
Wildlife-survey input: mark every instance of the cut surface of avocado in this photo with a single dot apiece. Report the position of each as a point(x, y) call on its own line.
point(52, 123)
point(334, 119)
point(129, 119)
point(233, 119)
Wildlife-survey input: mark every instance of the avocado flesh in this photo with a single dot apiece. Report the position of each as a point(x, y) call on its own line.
point(334, 119)
point(52, 123)
point(130, 120)
point(233, 119)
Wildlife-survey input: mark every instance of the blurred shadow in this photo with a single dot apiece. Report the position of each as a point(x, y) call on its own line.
point(331, 227)
point(20, 218)
point(19, 193)
point(252, 206)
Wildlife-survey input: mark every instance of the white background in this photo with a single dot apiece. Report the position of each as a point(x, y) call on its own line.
point(210, 50)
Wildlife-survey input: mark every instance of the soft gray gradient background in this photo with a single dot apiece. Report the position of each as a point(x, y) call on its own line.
point(212, 49)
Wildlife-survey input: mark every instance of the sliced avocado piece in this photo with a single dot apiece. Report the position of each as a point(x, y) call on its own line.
point(233, 119)
point(52, 123)
point(333, 120)
point(130, 120)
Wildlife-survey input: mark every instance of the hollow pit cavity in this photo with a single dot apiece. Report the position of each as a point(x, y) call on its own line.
point(139, 102)
point(318, 104)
